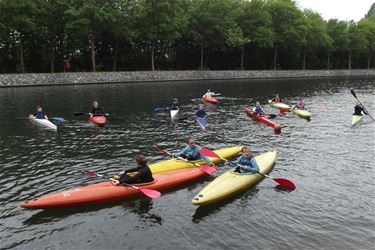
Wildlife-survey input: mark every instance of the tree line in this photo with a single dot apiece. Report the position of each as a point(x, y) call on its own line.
point(112, 35)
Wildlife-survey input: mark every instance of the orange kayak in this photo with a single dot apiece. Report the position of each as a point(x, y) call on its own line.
point(211, 100)
point(276, 127)
point(99, 120)
point(106, 191)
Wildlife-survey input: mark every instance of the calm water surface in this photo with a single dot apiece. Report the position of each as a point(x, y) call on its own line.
point(331, 164)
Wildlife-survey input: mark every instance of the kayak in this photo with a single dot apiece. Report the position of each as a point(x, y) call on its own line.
point(302, 113)
point(279, 105)
point(106, 191)
point(173, 113)
point(44, 123)
point(202, 122)
point(276, 127)
point(174, 164)
point(211, 100)
point(99, 120)
point(230, 182)
point(356, 119)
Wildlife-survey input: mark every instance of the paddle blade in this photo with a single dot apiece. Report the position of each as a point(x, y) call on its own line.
point(209, 170)
point(60, 119)
point(208, 153)
point(89, 172)
point(202, 122)
point(285, 183)
point(158, 110)
point(79, 113)
point(150, 193)
point(353, 93)
point(271, 116)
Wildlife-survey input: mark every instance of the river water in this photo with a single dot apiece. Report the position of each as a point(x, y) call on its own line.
point(331, 164)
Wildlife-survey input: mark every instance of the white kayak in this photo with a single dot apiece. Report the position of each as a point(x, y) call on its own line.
point(44, 123)
point(356, 119)
point(173, 113)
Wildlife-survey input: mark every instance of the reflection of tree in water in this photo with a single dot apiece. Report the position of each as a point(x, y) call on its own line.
point(142, 208)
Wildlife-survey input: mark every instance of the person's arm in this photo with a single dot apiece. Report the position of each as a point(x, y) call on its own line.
point(264, 112)
point(183, 152)
point(136, 169)
point(234, 164)
point(254, 166)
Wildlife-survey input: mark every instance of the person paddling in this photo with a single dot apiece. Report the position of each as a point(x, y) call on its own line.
point(358, 109)
point(143, 174)
point(200, 112)
point(258, 109)
point(39, 113)
point(96, 110)
point(208, 94)
point(276, 99)
point(300, 104)
point(191, 153)
point(247, 162)
point(174, 105)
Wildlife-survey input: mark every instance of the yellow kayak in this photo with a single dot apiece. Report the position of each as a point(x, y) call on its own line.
point(356, 119)
point(278, 105)
point(174, 164)
point(302, 113)
point(231, 182)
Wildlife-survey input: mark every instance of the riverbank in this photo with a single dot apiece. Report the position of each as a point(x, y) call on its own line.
point(51, 79)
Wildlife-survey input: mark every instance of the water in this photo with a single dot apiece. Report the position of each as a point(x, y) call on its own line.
point(331, 164)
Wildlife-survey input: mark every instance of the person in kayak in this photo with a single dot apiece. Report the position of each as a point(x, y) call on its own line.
point(358, 109)
point(276, 99)
point(96, 110)
point(174, 105)
point(143, 173)
point(39, 113)
point(258, 109)
point(208, 94)
point(191, 153)
point(300, 104)
point(246, 161)
point(200, 112)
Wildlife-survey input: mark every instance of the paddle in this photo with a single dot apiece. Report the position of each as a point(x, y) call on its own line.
point(148, 192)
point(158, 110)
point(355, 96)
point(209, 170)
point(201, 121)
point(282, 182)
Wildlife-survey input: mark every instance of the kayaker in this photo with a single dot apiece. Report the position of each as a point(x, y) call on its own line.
point(208, 94)
point(96, 110)
point(200, 112)
point(191, 153)
point(276, 99)
point(39, 113)
point(258, 109)
point(247, 162)
point(300, 104)
point(174, 105)
point(143, 173)
point(358, 109)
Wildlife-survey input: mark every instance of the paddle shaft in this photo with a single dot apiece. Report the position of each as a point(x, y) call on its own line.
point(355, 96)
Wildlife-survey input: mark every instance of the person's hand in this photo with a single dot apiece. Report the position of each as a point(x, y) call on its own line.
point(226, 163)
point(114, 182)
point(211, 164)
point(121, 173)
point(31, 116)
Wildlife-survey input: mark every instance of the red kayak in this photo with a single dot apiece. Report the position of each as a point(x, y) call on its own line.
point(211, 100)
point(106, 191)
point(99, 120)
point(263, 119)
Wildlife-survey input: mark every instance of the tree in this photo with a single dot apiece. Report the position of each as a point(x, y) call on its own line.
point(338, 32)
point(367, 27)
point(371, 11)
point(356, 41)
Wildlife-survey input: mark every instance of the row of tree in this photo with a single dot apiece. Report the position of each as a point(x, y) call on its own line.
point(39, 35)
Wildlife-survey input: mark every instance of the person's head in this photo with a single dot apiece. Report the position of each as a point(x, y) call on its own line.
point(95, 104)
point(257, 103)
point(246, 152)
point(191, 142)
point(208, 90)
point(39, 108)
point(300, 100)
point(277, 95)
point(201, 106)
point(175, 100)
point(141, 160)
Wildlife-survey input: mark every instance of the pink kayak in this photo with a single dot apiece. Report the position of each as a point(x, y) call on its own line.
point(211, 100)
point(276, 127)
point(99, 120)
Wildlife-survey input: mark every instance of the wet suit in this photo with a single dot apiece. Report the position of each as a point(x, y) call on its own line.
point(97, 111)
point(200, 113)
point(258, 110)
point(358, 109)
point(300, 106)
point(143, 175)
point(193, 154)
point(249, 162)
point(39, 115)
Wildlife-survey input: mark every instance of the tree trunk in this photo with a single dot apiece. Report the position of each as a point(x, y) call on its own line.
point(328, 59)
point(52, 58)
point(206, 61)
point(350, 59)
point(152, 57)
point(304, 60)
point(22, 62)
point(242, 56)
point(368, 61)
point(275, 57)
point(115, 53)
point(202, 55)
point(92, 45)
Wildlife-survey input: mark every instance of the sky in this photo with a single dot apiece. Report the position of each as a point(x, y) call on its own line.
point(339, 9)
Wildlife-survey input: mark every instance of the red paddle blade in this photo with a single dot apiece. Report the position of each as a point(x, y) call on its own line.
point(209, 170)
point(89, 172)
point(285, 183)
point(208, 153)
point(150, 193)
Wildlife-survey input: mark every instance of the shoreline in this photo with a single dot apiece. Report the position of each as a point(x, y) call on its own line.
point(83, 78)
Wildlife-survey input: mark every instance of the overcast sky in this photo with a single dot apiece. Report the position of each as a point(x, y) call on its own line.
point(339, 9)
